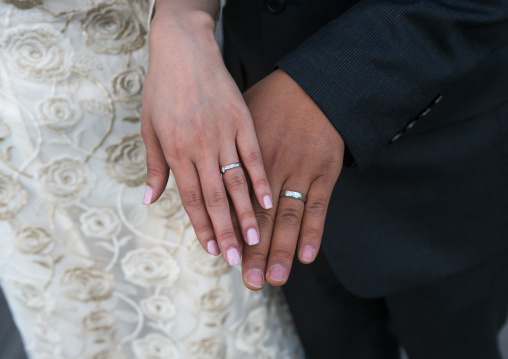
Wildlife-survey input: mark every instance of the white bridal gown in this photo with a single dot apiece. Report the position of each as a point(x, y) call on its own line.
point(88, 271)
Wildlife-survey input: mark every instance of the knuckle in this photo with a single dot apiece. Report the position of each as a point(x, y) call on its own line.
point(282, 252)
point(264, 219)
point(288, 216)
point(227, 234)
point(253, 158)
point(312, 235)
point(203, 228)
point(178, 145)
point(216, 199)
point(256, 257)
point(261, 182)
point(155, 169)
point(192, 199)
point(245, 215)
point(236, 111)
point(330, 167)
point(236, 182)
point(316, 207)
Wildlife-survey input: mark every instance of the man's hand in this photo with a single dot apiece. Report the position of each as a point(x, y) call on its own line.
point(302, 152)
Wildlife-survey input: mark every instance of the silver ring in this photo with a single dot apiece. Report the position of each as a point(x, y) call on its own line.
point(293, 194)
point(223, 169)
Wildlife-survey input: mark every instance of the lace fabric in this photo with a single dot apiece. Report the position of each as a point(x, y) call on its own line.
point(89, 272)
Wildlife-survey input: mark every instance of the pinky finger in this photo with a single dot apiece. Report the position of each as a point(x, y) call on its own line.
point(313, 220)
point(248, 149)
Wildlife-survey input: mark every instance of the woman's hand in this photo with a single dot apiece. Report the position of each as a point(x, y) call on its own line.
point(194, 121)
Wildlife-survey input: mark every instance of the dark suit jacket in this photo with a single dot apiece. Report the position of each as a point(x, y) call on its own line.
point(419, 92)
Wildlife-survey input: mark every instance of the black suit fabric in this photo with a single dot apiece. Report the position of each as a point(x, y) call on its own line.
point(457, 317)
point(415, 249)
point(419, 92)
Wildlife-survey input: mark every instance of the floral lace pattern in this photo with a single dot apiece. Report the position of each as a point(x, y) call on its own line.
point(88, 271)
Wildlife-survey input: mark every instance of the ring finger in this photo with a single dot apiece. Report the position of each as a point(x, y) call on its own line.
point(236, 185)
point(285, 233)
point(218, 209)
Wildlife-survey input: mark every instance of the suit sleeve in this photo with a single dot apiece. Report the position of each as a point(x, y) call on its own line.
point(374, 68)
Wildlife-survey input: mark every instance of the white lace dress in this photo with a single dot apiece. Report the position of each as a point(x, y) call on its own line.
point(89, 272)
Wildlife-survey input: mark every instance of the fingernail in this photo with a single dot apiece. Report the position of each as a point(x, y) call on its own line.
point(213, 248)
point(255, 278)
point(277, 272)
point(267, 202)
point(147, 198)
point(307, 253)
point(233, 256)
point(252, 236)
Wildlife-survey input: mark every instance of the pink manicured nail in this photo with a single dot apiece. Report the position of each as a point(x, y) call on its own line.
point(307, 253)
point(252, 236)
point(213, 248)
point(267, 202)
point(277, 272)
point(255, 278)
point(233, 256)
point(147, 198)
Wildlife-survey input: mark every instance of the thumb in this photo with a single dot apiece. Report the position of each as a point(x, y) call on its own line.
point(156, 165)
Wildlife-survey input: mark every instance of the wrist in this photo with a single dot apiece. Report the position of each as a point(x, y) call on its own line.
point(188, 14)
point(168, 26)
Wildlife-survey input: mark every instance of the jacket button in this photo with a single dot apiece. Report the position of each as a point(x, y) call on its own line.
point(396, 137)
point(437, 99)
point(410, 125)
point(425, 113)
point(275, 6)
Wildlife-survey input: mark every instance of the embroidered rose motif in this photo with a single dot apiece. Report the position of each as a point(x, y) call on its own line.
point(37, 52)
point(4, 131)
point(203, 263)
point(12, 196)
point(109, 354)
point(30, 296)
point(128, 85)
point(99, 320)
point(65, 179)
point(253, 331)
point(155, 346)
point(112, 28)
point(150, 267)
point(211, 347)
point(100, 223)
point(59, 113)
point(47, 333)
point(158, 307)
point(87, 284)
point(31, 239)
point(24, 4)
point(126, 161)
point(216, 300)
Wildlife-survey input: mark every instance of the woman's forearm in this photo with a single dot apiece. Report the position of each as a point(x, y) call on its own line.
point(200, 12)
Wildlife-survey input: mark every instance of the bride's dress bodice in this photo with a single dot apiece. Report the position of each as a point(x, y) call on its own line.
point(88, 271)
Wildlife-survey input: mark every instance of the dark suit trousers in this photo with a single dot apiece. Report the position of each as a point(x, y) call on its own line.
point(11, 346)
point(457, 317)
